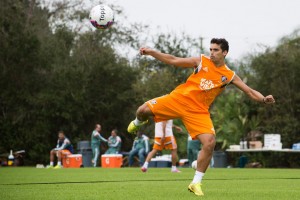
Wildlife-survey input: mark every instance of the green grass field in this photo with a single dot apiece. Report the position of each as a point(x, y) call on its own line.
point(130, 183)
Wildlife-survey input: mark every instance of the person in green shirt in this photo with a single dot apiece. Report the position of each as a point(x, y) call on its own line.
point(140, 148)
point(193, 148)
point(114, 143)
point(96, 139)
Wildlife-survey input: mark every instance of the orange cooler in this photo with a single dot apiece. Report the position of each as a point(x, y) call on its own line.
point(72, 161)
point(112, 160)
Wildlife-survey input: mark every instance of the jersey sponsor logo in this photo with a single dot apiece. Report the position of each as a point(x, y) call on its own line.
point(223, 78)
point(153, 101)
point(206, 84)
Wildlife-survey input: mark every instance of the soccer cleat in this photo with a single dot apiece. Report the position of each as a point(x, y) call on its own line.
point(196, 189)
point(49, 167)
point(133, 128)
point(175, 171)
point(57, 167)
point(144, 169)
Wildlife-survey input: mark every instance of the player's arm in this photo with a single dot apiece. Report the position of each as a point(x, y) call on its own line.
point(102, 138)
point(97, 134)
point(115, 144)
point(253, 94)
point(170, 59)
point(178, 128)
point(64, 145)
point(57, 145)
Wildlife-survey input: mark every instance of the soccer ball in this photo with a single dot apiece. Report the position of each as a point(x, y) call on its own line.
point(101, 16)
point(194, 164)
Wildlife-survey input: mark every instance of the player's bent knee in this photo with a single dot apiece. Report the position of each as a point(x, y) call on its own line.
point(144, 111)
point(209, 145)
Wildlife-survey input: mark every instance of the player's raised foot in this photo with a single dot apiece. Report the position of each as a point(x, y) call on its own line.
point(175, 171)
point(196, 189)
point(144, 169)
point(57, 167)
point(133, 128)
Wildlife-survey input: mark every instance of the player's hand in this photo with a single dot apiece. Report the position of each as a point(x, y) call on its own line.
point(162, 139)
point(178, 129)
point(145, 51)
point(269, 99)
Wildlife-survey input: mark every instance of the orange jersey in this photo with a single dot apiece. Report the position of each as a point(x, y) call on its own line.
point(205, 84)
point(190, 101)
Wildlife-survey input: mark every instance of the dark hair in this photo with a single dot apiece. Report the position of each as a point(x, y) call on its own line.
point(115, 130)
point(222, 42)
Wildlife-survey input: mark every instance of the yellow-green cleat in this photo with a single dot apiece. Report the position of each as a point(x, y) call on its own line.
point(196, 189)
point(132, 128)
point(58, 167)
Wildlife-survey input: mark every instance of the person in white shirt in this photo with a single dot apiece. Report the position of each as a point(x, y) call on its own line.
point(164, 139)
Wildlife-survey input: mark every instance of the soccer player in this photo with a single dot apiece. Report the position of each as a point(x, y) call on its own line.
point(164, 139)
point(63, 144)
point(191, 101)
point(114, 143)
point(96, 139)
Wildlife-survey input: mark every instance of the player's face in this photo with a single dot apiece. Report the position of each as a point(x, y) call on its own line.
point(113, 133)
point(98, 128)
point(61, 136)
point(216, 53)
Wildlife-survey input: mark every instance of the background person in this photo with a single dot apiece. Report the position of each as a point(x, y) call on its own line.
point(63, 144)
point(164, 139)
point(193, 148)
point(96, 139)
point(114, 143)
point(140, 148)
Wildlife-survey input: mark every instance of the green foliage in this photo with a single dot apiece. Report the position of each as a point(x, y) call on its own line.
point(59, 80)
point(232, 119)
point(277, 72)
point(52, 78)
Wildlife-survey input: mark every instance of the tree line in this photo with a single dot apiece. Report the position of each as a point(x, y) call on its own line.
point(59, 79)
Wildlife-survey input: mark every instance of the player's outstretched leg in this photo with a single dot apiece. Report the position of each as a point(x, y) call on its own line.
point(144, 168)
point(142, 115)
point(174, 160)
